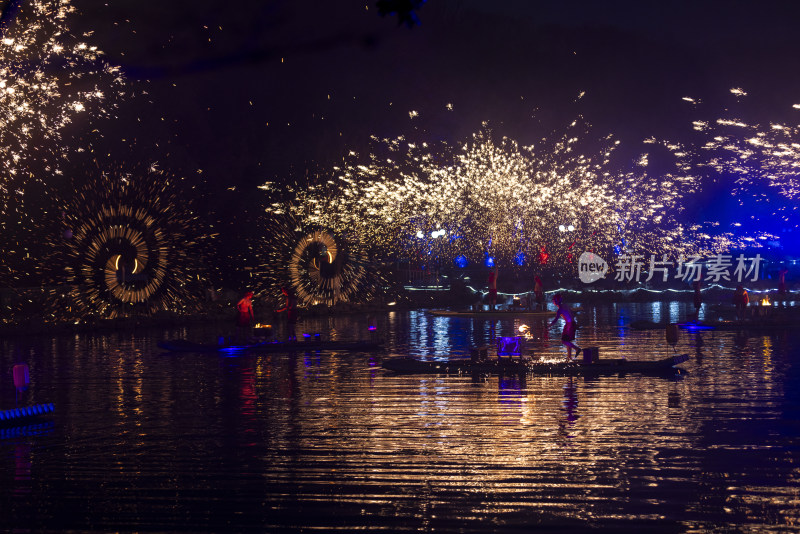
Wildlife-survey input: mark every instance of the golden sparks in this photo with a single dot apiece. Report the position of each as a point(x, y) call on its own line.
point(755, 156)
point(129, 246)
point(537, 204)
point(48, 79)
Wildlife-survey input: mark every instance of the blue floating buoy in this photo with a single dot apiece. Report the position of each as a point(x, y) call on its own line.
point(14, 417)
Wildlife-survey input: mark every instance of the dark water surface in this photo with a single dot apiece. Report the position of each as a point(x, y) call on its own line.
point(147, 441)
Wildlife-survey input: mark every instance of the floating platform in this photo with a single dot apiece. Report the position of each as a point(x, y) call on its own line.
point(182, 345)
point(25, 415)
point(492, 314)
point(727, 326)
point(408, 365)
point(36, 429)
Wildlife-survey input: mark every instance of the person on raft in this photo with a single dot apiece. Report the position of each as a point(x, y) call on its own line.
point(570, 326)
point(245, 316)
point(291, 312)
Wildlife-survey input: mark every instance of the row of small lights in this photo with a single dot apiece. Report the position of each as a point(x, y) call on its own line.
point(434, 234)
point(442, 232)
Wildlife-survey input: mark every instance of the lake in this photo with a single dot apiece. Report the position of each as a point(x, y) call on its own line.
point(143, 440)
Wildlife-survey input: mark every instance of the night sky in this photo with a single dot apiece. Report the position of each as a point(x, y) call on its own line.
point(270, 89)
point(230, 96)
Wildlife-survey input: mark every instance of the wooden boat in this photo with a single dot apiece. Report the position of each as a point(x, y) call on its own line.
point(491, 314)
point(182, 345)
point(408, 365)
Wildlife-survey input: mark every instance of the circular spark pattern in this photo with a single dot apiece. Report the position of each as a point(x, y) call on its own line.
point(131, 251)
point(322, 266)
point(321, 273)
point(131, 247)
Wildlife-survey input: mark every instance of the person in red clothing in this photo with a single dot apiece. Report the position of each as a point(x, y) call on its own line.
point(740, 301)
point(782, 281)
point(291, 312)
point(244, 317)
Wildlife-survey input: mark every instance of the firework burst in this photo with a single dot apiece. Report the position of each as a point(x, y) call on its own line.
point(49, 79)
point(763, 161)
point(539, 205)
point(130, 246)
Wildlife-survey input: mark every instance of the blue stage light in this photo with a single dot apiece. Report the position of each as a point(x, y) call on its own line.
point(461, 261)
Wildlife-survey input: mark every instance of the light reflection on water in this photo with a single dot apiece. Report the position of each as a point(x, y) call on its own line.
point(275, 442)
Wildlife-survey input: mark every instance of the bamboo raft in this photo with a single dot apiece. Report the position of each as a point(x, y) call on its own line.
point(182, 345)
point(507, 366)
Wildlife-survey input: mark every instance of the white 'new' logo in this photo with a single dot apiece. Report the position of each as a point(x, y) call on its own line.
point(591, 267)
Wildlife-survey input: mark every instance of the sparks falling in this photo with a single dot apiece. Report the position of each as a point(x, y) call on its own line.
point(542, 204)
point(769, 155)
point(48, 80)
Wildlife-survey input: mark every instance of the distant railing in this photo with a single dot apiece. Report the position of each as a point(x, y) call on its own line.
point(421, 277)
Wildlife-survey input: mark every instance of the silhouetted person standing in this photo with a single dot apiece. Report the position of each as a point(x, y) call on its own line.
point(290, 307)
point(492, 283)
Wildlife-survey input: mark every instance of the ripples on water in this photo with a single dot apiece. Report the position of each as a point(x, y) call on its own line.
point(146, 441)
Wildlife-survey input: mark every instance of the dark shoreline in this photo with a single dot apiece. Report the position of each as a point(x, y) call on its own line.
point(221, 314)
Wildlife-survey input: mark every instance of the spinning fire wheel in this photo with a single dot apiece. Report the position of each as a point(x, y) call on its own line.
point(323, 271)
point(123, 256)
point(128, 252)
